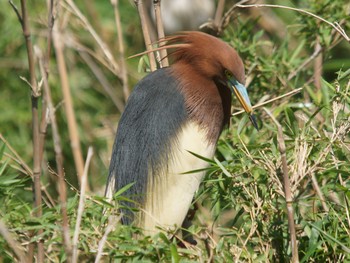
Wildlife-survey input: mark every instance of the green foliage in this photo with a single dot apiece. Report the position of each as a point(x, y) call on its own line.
point(241, 206)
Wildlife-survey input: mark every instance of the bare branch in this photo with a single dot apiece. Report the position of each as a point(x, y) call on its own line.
point(287, 188)
point(291, 93)
point(112, 220)
point(14, 7)
point(71, 119)
point(163, 61)
point(35, 119)
point(100, 42)
point(335, 25)
point(59, 156)
point(146, 35)
point(123, 69)
point(81, 206)
point(103, 80)
point(14, 245)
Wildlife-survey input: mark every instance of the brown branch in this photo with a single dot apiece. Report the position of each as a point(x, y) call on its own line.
point(335, 25)
point(50, 23)
point(146, 35)
point(62, 191)
point(163, 61)
point(123, 69)
point(13, 244)
point(15, 9)
point(68, 103)
point(44, 114)
point(219, 13)
point(35, 93)
point(227, 16)
point(81, 206)
point(287, 188)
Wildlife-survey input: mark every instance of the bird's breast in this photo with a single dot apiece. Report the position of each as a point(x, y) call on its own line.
point(172, 192)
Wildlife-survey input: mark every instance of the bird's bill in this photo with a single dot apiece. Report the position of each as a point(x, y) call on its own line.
point(241, 93)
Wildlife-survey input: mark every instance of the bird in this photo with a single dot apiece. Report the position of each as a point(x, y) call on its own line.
point(173, 115)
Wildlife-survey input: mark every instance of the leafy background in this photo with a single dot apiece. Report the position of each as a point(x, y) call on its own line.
point(241, 209)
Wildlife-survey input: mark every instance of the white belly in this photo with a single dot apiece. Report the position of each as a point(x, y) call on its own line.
point(173, 193)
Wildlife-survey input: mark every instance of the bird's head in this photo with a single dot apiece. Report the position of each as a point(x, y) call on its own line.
point(214, 59)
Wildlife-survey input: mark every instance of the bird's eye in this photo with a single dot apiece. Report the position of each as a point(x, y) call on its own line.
point(228, 74)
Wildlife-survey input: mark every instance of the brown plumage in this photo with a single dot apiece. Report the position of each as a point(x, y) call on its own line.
point(172, 112)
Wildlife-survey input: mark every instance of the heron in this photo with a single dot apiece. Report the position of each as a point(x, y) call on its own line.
point(174, 115)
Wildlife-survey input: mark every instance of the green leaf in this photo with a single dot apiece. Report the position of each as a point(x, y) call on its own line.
point(291, 120)
point(328, 236)
point(123, 190)
point(174, 254)
point(202, 157)
point(223, 169)
point(242, 123)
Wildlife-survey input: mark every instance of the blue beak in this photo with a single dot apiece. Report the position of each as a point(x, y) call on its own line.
point(241, 93)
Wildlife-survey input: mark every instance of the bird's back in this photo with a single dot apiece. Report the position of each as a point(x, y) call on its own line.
point(154, 113)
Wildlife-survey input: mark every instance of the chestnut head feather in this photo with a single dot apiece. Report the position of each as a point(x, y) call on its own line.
point(209, 55)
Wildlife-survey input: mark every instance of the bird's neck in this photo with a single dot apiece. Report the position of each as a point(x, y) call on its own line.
point(208, 103)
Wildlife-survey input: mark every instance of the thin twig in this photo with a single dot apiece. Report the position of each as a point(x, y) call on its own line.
point(102, 79)
point(316, 52)
point(335, 25)
point(291, 93)
point(99, 41)
point(50, 23)
point(287, 188)
point(58, 154)
point(14, 7)
point(227, 16)
point(146, 35)
point(18, 158)
point(81, 206)
point(71, 42)
point(163, 61)
point(68, 103)
point(112, 220)
point(13, 244)
point(44, 114)
point(26, 169)
point(123, 69)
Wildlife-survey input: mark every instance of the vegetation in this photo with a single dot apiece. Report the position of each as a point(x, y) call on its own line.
point(241, 208)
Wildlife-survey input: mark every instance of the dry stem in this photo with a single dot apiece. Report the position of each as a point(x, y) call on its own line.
point(14, 245)
point(23, 19)
point(163, 61)
point(99, 41)
point(146, 35)
point(287, 188)
point(102, 79)
point(112, 220)
point(291, 93)
point(123, 69)
point(219, 13)
point(72, 124)
point(59, 158)
point(81, 206)
point(335, 25)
